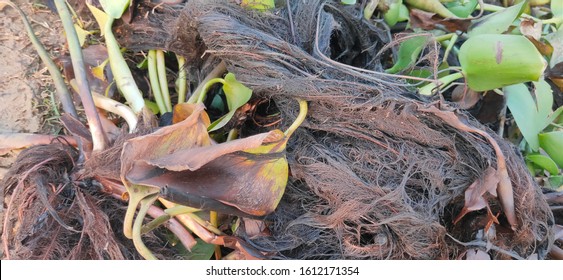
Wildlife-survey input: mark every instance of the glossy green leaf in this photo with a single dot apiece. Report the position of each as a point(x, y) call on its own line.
point(531, 116)
point(391, 16)
point(409, 50)
point(237, 95)
point(555, 182)
point(498, 22)
point(544, 162)
point(115, 8)
point(462, 8)
point(492, 61)
point(348, 2)
point(552, 143)
point(201, 251)
point(557, 10)
point(403, 13)
point(152, 106)
point(433, 6)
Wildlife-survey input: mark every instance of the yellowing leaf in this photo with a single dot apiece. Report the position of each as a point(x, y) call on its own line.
point(100, 16)
point(243, 177)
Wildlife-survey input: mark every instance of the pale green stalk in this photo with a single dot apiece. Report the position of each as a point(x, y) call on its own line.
point(181, 82)
point(98, 136)
point(121, 72)
point(163, 81)
point(155, 84)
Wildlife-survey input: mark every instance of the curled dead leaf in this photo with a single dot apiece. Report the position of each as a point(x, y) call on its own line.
point(243, 177)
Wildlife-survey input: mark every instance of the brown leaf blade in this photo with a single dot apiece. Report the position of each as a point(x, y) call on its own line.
point(243, 177)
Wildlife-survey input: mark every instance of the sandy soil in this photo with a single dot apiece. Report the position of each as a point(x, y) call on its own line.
point(25, 84)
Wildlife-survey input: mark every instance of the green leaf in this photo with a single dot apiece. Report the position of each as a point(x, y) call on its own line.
point(201, 251)
point(237, 95)
point(409, 50)
point(348, 2)
point(544, 162)
point(552, 143)
point(462, 8)
point(530, 115)
point(557, 10)
point(498, 22)
point(115, 8)
point(555, 182)
point(152, 106)
point(433, 6)
point(391, 16)
point(492, 61)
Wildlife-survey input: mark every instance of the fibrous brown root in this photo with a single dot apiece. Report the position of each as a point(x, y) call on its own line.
point(373, 176)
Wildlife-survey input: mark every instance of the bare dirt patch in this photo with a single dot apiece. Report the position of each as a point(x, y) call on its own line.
point(25, 85)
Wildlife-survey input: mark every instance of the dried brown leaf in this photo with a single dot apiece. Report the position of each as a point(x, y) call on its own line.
point(465, 97)
point(504, 189)
point(14, 141)
point(530, 28)
point(242, 177)
point(430, 21)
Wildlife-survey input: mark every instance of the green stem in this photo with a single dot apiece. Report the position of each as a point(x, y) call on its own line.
point(204, 223)
point(155, 84)
point(441, 83)
point(181, 82)
point(450, 46)
point(63, 94)
point(163, 80)
point(300, 118)
point(137, 240)
point(492, 8)
point(121, 72)
point(206, 87)
point(110, 105)
point(168, 214)
point(99, 139)
point(444, 37)
point(217, 72)
point(370, 8)
point(136, 194)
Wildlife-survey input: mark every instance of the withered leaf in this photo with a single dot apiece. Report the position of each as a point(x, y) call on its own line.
point(191, 132)
point(430, 21)
point(474, 195)
point(465, 97)
point(14, 141)
point(226, 173)
point(246, 176)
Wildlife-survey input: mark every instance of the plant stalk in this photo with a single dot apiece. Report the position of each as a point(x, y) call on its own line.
point(99, 139)
point(428, 89)
point(217, 72)
point(155, 84)
point(63, 93)
point(303, 108)
point(122, 74)
point(181, 82)
point(163, 81)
